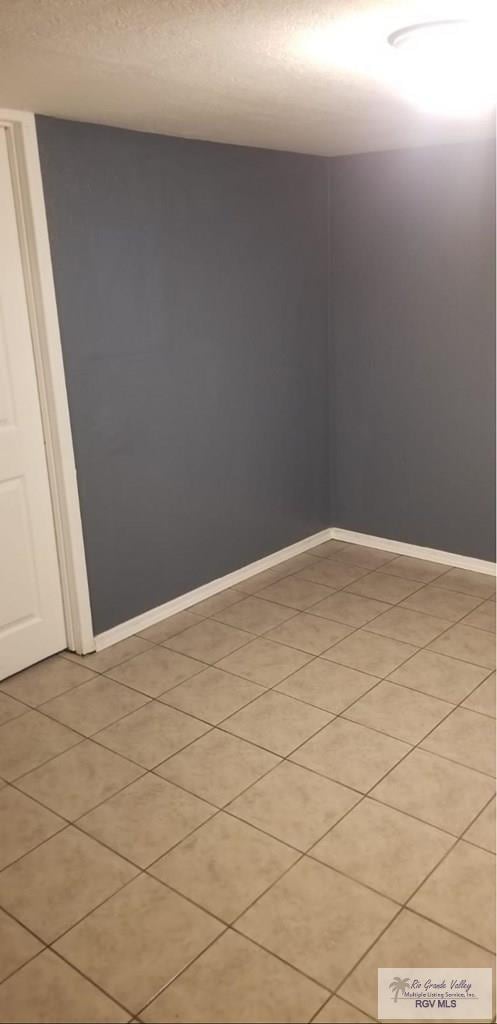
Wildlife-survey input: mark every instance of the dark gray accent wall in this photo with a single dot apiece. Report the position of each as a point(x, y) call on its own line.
point(191, 287)
point(412, 345)
point(258, 345)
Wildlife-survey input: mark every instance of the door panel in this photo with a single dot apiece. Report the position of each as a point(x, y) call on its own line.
point(31, 611)
point(18, 603)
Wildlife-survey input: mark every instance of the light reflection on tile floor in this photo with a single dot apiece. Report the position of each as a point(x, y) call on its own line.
point(241, 813)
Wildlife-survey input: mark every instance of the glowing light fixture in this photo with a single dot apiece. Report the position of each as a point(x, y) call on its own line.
point(446, 67)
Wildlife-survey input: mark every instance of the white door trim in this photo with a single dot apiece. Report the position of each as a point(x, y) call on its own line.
point(40, 292)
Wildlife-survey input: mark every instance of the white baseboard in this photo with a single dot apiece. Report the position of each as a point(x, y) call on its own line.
point(179, 604)
point(399, 547)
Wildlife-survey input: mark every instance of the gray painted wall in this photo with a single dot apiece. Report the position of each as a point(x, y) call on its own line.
point(237, 380)
point(191, 287)
point(412, 345)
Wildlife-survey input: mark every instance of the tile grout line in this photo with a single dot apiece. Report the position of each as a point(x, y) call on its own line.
point(405, 907)
point(153, 770)
point(145, 871)
point(382, 678)
point(354, 629)
point(348, 1003)
point(141, 872)
point(158, 699)
point(346, 589)
point(463, 834)
point(220, 810)
point(48, 949)
point(334, 590)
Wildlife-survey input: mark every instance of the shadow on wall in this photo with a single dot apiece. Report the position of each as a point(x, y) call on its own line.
point(412, 304)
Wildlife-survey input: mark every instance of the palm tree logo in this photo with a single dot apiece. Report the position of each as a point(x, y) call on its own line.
point(398, 985)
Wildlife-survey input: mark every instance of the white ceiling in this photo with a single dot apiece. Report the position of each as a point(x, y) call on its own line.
point(304, 75)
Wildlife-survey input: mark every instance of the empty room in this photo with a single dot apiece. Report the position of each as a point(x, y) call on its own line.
point(247, 511)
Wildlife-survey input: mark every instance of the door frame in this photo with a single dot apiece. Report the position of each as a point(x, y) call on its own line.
point(22, 145)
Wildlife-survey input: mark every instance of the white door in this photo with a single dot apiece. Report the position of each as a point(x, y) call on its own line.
point(31, 611)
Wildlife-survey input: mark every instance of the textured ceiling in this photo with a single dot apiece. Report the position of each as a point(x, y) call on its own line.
point(305, 75)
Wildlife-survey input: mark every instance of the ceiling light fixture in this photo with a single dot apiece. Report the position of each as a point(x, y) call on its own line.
point(446, 67)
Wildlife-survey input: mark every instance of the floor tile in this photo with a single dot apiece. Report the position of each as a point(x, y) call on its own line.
point(326, 685)
point(29, 740)
point(17, 946)
point(174, 624)
point(45, 680)
point(383, 848)
point(367, 652)
point(398, 711)
point(294, 804)
point(264, 662)
point(151, 734)
point(478, 583)
point(349, 608)
point(438, 791)
point(10, 708)
point(276, 722)
point(138, 941)
point(460, 894)
point(351, 754)
point(77, 780)
point(337, 1011)
point(483, 698)
point(468, 644)
point(483, 617)
point(55, 885)
point(208, 641)
point(411, 627)
point(23, 825)
point(212, 695)
point(416, 569)
point(439, 676)
point(218, 766)
point(224, 866)
point(48, 991)
point(254, 614)
point(446, 604)
point(102, 661)
point(366, 557)
point(262, 579)
point(318, 921)
point(292, 565)
point(381, 586)
point(146, 819)
point(482, 831)
point(156, 671)
point(295, 592)
point(214, 604)
point(465, 737)
point(410, 940)
point(94, 705)
point(328, 548)
point(331, 574)
point(235, 980)
point(309, 633)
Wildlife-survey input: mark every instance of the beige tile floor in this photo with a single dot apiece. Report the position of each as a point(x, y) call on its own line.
point(241, 813)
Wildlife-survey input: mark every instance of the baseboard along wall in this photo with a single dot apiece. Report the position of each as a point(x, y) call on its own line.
point(179, 604)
